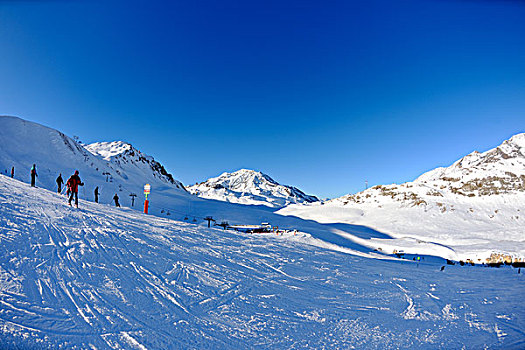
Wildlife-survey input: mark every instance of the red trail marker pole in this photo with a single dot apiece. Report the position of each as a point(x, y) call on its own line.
point(147, 190)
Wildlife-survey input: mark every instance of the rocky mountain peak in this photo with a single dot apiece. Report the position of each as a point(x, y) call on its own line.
point(128, 157)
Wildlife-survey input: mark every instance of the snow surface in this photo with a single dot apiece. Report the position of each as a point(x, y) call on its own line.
point(475, 207)
point(52, 151)
point(101, 277)
point(250, 187)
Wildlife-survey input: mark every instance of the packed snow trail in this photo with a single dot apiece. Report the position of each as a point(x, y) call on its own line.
point(100, 277)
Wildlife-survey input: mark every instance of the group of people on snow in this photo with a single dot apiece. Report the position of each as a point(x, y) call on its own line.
point(72, 185)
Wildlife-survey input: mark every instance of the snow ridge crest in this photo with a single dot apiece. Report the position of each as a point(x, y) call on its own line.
point(498, 171)
point(128, 157)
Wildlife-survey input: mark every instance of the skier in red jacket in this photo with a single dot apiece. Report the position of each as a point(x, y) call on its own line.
point(72, 184)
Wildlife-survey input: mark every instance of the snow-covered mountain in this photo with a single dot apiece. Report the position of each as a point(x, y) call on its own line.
point(113, 167)
point(130, 162)
point(498, 171)
point(113, 278)
point(476, 206)
point(250, 187)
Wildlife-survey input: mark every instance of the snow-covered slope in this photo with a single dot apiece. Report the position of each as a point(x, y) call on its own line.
point(123, 171)
point(112, 278)
point(448, 224)
point(476, 206)
point(24, 143)
point(250, 187)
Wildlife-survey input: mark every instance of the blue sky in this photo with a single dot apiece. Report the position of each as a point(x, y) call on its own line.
point(322, 95)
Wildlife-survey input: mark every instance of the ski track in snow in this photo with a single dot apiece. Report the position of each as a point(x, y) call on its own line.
point(106, 278)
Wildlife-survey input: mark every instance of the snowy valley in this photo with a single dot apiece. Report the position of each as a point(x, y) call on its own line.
point(102, 277)
point(112, 278)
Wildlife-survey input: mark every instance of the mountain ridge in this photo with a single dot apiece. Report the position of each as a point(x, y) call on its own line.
point(25, 143)
point(475, 174)
point(248, 186)
point(473, 205)
point(125, 155)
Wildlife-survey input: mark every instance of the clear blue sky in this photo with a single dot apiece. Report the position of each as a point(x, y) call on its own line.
point(322, 95)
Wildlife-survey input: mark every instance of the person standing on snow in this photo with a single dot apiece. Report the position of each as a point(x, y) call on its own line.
point(34, 175)
point(72, 185)
point(12, 172)
point(96, 194)
point(60, 182)
point(115, 198)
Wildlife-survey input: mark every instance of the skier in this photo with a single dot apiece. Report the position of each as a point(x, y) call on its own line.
point(72, 185)
point(12, 172)
point(115, 198)
point(96, 194)
point(60, 182)
point(34, 175)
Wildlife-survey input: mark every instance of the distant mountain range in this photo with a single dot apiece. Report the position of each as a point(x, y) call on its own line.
point(250, 187)
point(473, 208)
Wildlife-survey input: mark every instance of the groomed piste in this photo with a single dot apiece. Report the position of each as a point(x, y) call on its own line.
point(102, 277)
